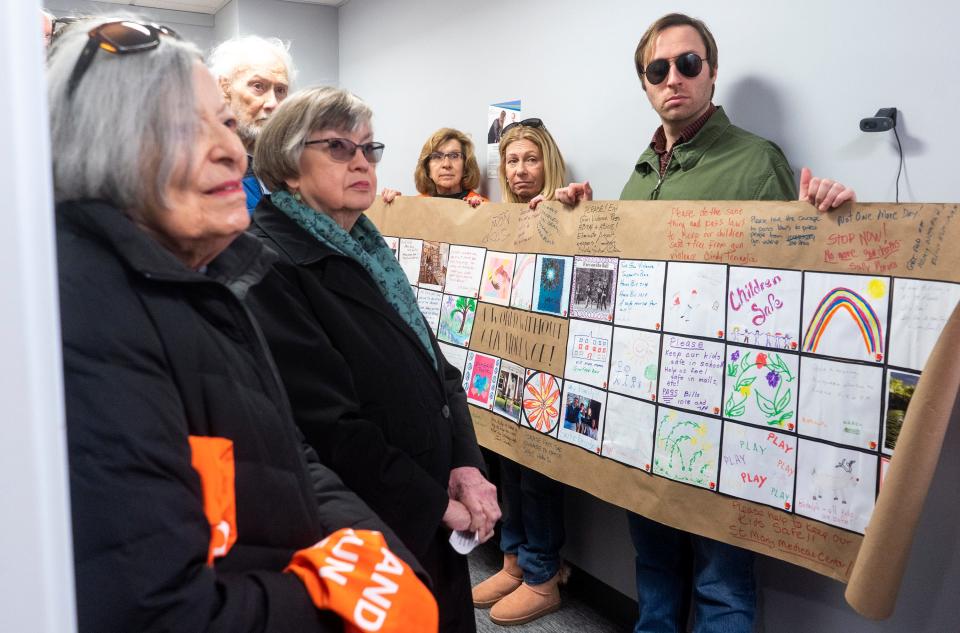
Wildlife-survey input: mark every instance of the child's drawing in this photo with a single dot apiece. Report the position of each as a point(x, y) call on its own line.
point(758, 464)
point(691, 374)
point(835, 485)
point(695, 299)
point(522, 293)
point(479, 379)
point(845, 315)
point(541, 402)
point(687, 447)
point(634, 363)
point(628, 431)
point(497, 278)
point(763, 307)
point(456, 319)
point(588, 352)
point(761, 387)
point(551, 288)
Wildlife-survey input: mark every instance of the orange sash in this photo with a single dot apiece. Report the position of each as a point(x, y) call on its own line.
point(354, 574)
point(212, 458)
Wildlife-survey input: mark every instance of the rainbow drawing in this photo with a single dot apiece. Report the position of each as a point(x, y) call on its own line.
point(858, 308)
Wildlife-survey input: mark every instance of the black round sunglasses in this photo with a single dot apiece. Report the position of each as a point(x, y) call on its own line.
point(689, 65)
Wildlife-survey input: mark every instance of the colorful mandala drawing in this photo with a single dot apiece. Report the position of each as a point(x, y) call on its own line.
point(541, 396)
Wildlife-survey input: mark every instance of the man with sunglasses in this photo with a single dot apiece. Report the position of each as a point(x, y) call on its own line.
point(697, 154)
point(254, 74)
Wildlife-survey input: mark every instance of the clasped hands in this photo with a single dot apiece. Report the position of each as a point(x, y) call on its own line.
point(473, 503)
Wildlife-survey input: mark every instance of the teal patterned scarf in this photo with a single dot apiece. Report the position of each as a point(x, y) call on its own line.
point(364, 245)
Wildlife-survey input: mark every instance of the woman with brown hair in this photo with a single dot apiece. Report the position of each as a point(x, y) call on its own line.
point(447, 168)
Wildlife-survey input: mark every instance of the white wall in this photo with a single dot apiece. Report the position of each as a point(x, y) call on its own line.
point(196, 27)
point(311, 30)
point(226, 23)
point(36, 561)
point(802, 75)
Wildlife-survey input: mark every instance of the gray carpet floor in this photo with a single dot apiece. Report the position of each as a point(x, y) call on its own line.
point(574, 615)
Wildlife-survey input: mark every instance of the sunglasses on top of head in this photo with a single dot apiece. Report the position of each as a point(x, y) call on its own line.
point(120, 38)
point(536, 123)
point(343, 150)
point(689, 65)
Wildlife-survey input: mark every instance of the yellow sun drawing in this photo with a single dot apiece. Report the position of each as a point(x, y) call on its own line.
point(877, 288)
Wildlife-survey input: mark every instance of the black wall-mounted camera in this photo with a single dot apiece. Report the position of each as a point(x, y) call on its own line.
point(885, 119)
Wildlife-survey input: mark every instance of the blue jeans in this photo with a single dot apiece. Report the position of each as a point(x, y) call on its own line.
point(533, 521)
point(668, 560)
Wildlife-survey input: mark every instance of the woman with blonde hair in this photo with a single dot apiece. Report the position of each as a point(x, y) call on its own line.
point(531, 165)
point(531, 170)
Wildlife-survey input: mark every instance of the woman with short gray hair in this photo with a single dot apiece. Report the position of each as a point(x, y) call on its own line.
point(369, 385)
point(191, 490)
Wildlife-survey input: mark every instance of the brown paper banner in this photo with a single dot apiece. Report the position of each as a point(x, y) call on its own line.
point(882, 241)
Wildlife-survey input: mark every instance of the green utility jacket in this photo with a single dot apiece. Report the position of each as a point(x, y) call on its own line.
point(722, 162)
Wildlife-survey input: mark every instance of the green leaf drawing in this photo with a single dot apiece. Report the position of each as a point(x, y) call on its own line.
point(693, 458)
point(737, 411)
point(765, 404)
point(784, 401)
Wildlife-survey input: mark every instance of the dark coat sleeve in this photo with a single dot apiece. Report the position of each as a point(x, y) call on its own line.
point(343, 508)
point(466, 451)
point(139, 528)
point(319, 382)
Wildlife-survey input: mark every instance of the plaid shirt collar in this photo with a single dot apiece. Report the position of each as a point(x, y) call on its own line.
point(659, 142)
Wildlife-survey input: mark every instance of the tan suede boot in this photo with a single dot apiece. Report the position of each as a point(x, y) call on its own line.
point(527, 603)
point(487, 593)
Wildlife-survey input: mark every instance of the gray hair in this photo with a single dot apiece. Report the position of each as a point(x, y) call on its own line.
point(128, 125)
point(230, 55)
point(277, 154)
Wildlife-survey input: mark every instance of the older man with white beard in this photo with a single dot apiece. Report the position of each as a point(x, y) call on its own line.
point(254, 74)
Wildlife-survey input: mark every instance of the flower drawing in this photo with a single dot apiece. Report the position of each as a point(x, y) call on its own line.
point(540, 402)
point(774, 404)
point(773, 378)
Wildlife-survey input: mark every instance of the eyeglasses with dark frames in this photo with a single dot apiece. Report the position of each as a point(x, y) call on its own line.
point(343, 150)
point(451, 156)
point(534, 123)
point(119, 38)
point(689, 64)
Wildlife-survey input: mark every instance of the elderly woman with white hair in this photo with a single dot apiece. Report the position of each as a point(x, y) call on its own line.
point(369, 385)
point(195, 503)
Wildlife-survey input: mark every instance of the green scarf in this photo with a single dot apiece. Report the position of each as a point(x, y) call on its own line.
point(364, 245)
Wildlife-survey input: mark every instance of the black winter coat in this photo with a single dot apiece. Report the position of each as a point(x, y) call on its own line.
point(365, 392)
point(154, 352)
